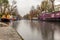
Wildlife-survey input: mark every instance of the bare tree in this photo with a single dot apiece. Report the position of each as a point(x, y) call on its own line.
point(12, 7)
point(3, 5)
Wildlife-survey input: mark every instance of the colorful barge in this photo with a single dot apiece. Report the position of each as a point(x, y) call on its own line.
point(52, 16)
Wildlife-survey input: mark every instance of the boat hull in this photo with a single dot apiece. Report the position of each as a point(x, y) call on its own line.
point(5, 20)
point(53, 16)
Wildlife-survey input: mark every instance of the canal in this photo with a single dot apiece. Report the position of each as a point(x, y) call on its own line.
point(37, 30)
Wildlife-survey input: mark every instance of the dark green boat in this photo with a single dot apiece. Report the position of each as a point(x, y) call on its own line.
point(5, 20)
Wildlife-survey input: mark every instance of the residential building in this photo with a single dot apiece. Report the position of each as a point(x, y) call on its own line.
point(57, 7)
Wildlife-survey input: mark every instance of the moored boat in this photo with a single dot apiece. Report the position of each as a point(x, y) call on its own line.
point(53, 16)
point(5, 18)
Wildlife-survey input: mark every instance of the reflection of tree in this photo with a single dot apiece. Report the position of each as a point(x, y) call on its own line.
point(47, 31)
point(32, 25)
point(57, 24)
point(35, 25)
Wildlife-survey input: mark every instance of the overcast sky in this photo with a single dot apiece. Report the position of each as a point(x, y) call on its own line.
point(24, 6)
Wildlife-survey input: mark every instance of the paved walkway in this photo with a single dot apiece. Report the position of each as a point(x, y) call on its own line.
point(8, 33)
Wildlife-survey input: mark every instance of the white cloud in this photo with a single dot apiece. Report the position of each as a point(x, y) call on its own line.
point(25, 5)
point(57, 2)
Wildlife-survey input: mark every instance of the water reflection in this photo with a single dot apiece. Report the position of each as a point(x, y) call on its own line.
point(37, 30)
point(15, 24)
point(47, 31)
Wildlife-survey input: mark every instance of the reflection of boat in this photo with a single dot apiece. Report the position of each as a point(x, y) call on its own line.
point(53, 16)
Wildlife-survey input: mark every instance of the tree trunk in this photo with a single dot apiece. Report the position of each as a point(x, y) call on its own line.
point(52, 6)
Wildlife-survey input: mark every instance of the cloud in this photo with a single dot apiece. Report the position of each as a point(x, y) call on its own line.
point(24, 6)
point(57, 2)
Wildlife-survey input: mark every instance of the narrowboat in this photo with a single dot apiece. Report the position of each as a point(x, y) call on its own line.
point(5, 18)
point(52, 16)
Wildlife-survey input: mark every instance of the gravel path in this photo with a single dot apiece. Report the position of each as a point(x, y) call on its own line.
point(8, 33)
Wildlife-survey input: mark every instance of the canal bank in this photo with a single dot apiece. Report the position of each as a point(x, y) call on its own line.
point(9, 33)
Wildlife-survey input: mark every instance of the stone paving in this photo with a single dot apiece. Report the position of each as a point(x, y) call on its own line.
point(8, 33)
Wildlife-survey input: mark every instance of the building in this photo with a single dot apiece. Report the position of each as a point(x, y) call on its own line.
point(57, 7)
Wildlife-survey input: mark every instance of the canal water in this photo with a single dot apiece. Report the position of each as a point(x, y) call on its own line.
point(37, 30)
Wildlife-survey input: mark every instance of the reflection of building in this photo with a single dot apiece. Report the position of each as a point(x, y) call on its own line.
point(57, 7)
